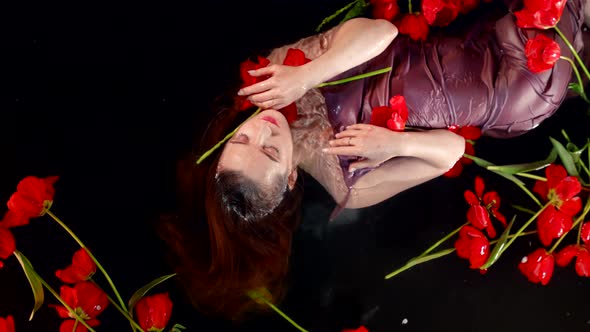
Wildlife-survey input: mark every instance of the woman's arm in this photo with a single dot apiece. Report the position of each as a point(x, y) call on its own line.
point(346, 46)
point(410, 159)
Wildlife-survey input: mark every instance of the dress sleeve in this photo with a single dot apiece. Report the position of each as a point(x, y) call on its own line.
point(523, 99)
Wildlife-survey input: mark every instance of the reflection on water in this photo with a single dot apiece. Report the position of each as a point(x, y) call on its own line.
point(109, 104)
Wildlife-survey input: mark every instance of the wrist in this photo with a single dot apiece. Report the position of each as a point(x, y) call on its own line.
point(399, 144)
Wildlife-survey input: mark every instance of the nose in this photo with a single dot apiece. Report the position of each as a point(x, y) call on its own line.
point(263, 133)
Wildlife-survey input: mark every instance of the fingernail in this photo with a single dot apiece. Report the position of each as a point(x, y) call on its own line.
point(240, 93)
point(251, 72)
point(352, 169)
point(325, 150)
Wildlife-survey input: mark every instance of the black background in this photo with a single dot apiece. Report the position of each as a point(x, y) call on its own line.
point(108, 94)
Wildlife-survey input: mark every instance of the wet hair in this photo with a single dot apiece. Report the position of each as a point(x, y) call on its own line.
point(227, 234)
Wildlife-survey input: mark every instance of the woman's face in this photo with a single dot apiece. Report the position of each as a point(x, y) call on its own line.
point(261, 149)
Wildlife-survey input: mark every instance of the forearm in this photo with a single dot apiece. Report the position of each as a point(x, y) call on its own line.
point(340, 48)
point(439, 148)
point(355, 42)
point(425, 156)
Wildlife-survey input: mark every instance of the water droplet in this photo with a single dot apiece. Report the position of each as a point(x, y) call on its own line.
point(404, 321)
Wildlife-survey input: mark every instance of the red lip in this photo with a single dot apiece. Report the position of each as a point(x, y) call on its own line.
point(271, 120)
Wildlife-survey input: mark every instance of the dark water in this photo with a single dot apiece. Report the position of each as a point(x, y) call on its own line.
point(108, 94)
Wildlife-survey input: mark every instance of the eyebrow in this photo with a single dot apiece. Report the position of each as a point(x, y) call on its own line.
point(263, 152)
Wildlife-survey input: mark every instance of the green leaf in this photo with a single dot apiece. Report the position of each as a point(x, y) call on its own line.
point(577, 88)
point(357, 10)
point(328, 19)
point(486, 164)
point(143, 290)
point(499, 247)
point(34, 281)
point(526, 167)
point(177, 328)
point(566, 158)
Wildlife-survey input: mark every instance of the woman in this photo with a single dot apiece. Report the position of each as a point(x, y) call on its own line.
point(238, 210)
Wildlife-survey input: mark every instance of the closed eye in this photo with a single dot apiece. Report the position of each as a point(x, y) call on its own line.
point(268, 150)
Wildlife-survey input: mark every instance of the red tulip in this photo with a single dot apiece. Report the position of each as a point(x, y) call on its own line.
point(86, 299)
point(7, 324)
point(82, 268)
point(538, 266)
point(552, 224)
point(561, 190)
point(248, 79)
point(541, 14)
point(414, 25)
point(481, 205)
point(153, 312)
point(393, 116)
point(473, 245)
point(359, 329)
point(399, 114)
point(565, 256)
point(32, 196)
point(585, 233)
point(384, 9)
point(294, 57)
point(465, 6)
point(541, 52)
point(439, 12)
point(7, 244)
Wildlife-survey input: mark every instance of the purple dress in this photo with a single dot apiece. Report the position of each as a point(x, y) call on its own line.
point(477, 76)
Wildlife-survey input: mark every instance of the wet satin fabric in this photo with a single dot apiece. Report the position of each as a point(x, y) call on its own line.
point(474, 76)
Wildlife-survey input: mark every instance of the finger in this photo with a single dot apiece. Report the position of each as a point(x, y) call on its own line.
point(360, 164)
point(264, 96)
point(341, 150)
point(269, 70)
point(346, 133)
point(359, 126)
point(346, 141)
point(256, 88)
point(267, 104)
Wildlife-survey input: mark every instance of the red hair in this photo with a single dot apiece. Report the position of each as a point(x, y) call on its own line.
point(227, 236)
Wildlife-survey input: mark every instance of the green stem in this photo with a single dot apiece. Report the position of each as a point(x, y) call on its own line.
point(423, 259)
point(283, 314)
point(569, 45)
point(228, 136)
point(531, 195)
point(420, 260)
point(523, 209)
point(72, 311)
point(439, 242)
point(526, 224)
point(577, 73)
point(75, 326)
point(410, 6)
point(356, 77)
point(104, 272)
point(123, 312)
point(585, 168)
point(531, 176)
point(578, 220)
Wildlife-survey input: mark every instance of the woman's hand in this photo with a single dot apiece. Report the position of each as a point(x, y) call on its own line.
point(375, 144)
point(285, 85)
